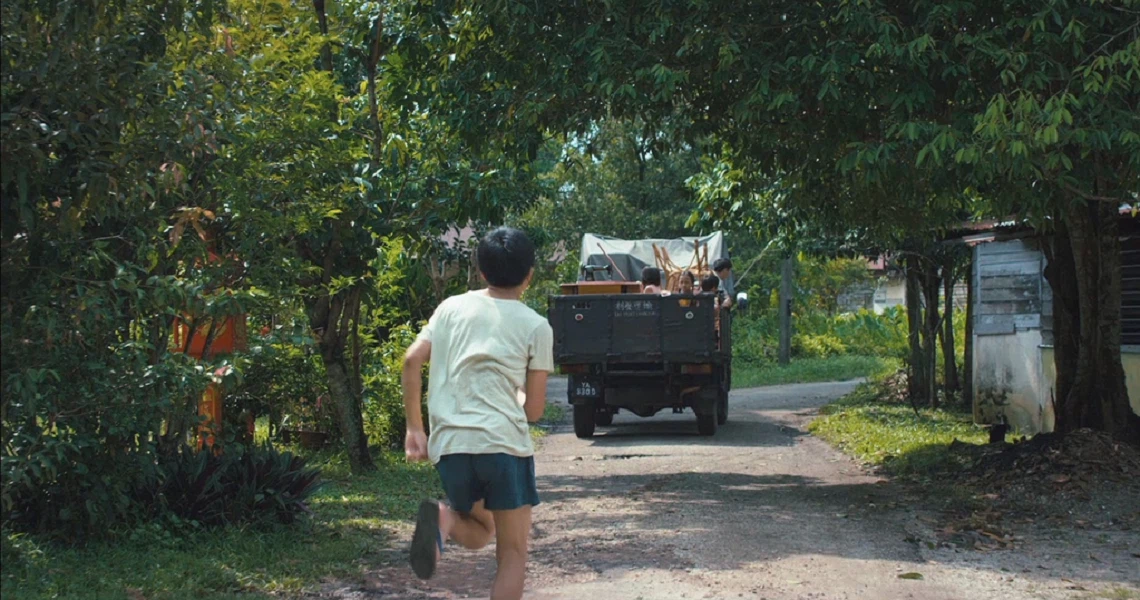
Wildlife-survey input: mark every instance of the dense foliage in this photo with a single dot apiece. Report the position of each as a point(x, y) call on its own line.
point(819, 335)
point(94, 185)
point(193, 161)
point(257, 486)
point(187, 162)
point(871, 123)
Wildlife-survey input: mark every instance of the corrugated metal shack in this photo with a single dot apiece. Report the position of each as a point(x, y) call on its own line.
point(1013, 325)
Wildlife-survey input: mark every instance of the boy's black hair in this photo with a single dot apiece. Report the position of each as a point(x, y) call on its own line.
point(506, 256)
point(710, 283)
point(650, 276)
point(721, 264)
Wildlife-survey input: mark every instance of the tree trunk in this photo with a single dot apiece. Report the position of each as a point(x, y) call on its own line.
point(931, 288)
point(949, 356)
point(916, 381)
point(786, 277)
point(342, 391)
point(1084, 271)
point(1060, 272)
point(373, 108)
point(323, 23)
point(968, 351)
point(334, 320)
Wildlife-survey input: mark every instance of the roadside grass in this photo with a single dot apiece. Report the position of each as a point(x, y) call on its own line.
point(1117, 593)
point(893, 436)
point(809, 370)
point(351, 519)
point(552, 416)
point(351, 523)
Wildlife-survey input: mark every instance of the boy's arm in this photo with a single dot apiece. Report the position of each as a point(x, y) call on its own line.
point(411, 379)
point(539, 366)
point(535, 404)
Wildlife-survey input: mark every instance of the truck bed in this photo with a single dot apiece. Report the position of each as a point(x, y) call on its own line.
point(637, 328)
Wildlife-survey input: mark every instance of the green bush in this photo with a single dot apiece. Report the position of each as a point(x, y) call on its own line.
point(755, 338)
point(817, 346)
point(284, 380)
point(79, 436)
point(818, 335)
point(384, 420)
point(21, 556)
point(547, 281)
point(258, 486)
point(870, 334)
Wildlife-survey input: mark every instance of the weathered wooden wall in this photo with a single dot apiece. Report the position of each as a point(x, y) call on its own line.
point(1013, 332)
point(1012, 296)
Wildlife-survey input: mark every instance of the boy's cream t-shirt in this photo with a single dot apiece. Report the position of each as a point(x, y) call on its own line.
point(481, 349)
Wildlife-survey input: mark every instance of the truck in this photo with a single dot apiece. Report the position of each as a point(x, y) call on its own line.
point(625, 350)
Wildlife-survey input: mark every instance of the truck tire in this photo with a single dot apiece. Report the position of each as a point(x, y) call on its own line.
point(584, 420)
point(722, 398)
point(706, 424)
point(604, 417)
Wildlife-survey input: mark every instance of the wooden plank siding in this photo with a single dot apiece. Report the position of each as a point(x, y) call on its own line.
point(1130, 290)
point(1129, 297)
point(1008, 281)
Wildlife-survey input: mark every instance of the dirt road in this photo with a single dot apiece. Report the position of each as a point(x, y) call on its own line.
point(648, 510)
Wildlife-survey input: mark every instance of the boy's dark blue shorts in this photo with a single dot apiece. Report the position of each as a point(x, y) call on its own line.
point(502, 481)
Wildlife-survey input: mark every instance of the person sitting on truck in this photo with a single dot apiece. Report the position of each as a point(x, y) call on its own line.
point(483, 346)
point(723, 269)
point(651, 280)
point(686, 283)
point(710, 285)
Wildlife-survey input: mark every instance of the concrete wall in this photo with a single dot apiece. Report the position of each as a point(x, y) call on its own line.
point(890, 292)
point(1130, 359)
point(1014, 372)
point(1009, 380)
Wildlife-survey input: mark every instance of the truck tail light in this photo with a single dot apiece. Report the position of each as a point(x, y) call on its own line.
point(575, 369)
point(705, 369)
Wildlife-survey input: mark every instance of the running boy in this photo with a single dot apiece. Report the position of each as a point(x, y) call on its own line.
point(483, 347)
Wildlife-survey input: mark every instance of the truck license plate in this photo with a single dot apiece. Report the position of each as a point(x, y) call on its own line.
point(585, 389)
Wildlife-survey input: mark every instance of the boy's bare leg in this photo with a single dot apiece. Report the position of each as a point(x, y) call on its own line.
point(472, 530)
point(512, 529)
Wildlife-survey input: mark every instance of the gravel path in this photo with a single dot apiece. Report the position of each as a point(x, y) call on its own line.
point(649, 510)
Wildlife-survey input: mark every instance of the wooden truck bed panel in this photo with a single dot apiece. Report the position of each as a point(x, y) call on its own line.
point(635, 328)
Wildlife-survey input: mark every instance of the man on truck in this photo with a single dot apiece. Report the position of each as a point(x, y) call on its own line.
point(651, 280)
point(723, 269)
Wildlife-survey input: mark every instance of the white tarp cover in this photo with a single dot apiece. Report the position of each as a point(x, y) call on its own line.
point(631, 256)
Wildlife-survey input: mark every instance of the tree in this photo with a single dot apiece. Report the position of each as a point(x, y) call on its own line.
point(622, 179)
point(878, 112)
point(955, 267)
point(314, 175)
point(828, 278)
point(100, 253)
point(1063, 123)
point(142, 143)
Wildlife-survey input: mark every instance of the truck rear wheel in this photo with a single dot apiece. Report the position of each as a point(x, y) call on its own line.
point(584, 420)
point(722, 396)
point(604, 417)
point(706, 424)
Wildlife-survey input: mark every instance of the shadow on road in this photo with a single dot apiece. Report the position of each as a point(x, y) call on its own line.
point(673, 432)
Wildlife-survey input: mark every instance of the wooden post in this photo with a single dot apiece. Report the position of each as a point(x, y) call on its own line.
point(971, 292)
point(786, 312)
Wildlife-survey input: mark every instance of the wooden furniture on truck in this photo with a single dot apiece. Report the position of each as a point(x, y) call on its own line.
point(580, 288)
